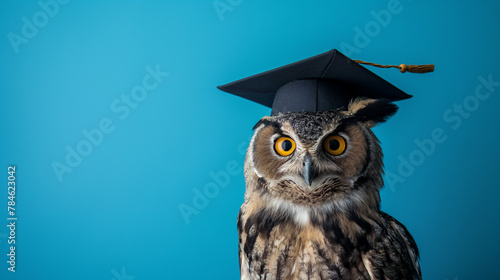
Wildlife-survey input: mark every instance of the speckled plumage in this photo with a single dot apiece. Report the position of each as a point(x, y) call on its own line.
point(330, 226)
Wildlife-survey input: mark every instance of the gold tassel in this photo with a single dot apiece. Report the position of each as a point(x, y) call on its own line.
point(403, 67)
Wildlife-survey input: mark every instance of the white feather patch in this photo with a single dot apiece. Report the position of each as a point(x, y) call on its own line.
point(368, 265)
point(301, 216)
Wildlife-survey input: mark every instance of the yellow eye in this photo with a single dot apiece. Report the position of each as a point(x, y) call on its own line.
point(335, 145)
point(284, 146)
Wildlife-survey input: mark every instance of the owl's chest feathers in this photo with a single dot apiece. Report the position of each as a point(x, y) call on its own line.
point(298, 240)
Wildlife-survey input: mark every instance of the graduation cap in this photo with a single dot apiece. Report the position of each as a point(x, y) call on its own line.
point(324, 82)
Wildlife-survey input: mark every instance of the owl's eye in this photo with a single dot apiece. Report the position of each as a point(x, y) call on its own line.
point(335, 145)
point(284, 146)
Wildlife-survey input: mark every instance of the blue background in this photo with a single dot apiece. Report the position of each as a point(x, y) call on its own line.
point(116, 214)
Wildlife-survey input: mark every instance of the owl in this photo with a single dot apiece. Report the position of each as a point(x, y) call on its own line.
point(312, 203)
point(313, 173)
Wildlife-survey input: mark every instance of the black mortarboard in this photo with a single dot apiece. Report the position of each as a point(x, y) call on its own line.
point(324, 82)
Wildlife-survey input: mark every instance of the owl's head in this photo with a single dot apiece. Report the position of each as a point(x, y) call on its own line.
point(318, 158)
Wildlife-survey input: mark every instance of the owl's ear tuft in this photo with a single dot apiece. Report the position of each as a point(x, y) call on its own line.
point(265, 121)
point(371, 111)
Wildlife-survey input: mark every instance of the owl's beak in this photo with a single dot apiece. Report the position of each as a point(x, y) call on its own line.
point(309, 172)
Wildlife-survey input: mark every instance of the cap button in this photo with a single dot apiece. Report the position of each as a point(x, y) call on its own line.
point(403, 68)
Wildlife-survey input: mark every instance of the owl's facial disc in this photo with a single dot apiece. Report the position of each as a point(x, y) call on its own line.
point(308, 157)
